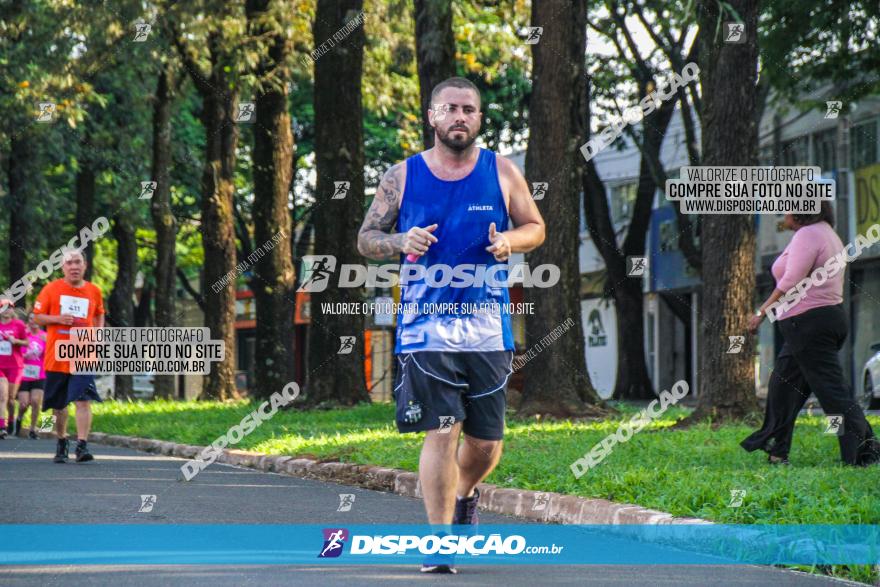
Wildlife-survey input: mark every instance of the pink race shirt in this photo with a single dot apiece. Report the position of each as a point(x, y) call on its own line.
point(33, 357)
point(11, 355)
point(809, 248)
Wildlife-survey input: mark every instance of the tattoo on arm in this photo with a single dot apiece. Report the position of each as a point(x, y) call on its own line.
point(374, 238)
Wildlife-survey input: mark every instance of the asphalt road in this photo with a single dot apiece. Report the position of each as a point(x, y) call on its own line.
point(108, 490)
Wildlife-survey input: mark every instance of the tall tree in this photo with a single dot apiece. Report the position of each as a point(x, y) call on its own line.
point(218, 90)
point(164, 222)
point(729, 75)
point(339, 157)
point(435, 54)
point(273, 273)
point(19, 166)
point(120, 303)
point(557, 121)
point(633, 380)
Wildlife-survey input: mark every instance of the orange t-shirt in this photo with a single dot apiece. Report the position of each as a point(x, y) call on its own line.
point(85, 303)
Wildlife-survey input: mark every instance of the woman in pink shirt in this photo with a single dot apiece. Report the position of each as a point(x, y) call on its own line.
point(808, 304)
point(13, 336)
point(33, 380)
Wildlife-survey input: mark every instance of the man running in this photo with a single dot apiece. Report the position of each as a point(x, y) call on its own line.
point(33, 380)
point(13, 336)
point(450, 206)
point(71, 302)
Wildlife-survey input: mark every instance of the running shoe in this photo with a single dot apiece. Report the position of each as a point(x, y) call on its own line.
point(82, 452)
point(10, 427)
point(466, 510)
point(61, 451)
point(2, 433)
point(778, 460)
point(440, 569)
point(32, 435)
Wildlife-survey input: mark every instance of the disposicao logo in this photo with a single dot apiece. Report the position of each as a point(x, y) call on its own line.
point(334, 541)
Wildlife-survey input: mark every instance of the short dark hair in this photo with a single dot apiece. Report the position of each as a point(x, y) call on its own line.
point(826, 213)
point(455, 82)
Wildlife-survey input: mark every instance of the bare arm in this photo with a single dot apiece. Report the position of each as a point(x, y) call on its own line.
point(374, 238)
point(99, 321)
point(529, 231)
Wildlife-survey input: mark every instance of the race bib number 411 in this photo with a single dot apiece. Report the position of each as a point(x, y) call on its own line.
point(76, 307)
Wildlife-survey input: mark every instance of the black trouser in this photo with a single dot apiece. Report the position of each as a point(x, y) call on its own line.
point(808, 363)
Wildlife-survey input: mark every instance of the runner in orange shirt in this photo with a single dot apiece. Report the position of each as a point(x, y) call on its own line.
point(63, 304)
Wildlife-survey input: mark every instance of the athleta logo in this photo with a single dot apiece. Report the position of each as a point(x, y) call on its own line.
point(334, 541)
point(475, 208)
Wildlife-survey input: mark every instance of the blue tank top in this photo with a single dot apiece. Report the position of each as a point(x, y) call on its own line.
point(449, 318)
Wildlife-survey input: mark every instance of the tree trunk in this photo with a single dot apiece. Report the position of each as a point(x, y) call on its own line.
point(219, 105)
point(20, 156)
point(435, 53)
point(142, 310)
point(633, 380)
point(273, 273)
point(339, 155)
point(163, 220)
point(85, 207)
point(729, 137)
point(120, 303)
point(557, 117)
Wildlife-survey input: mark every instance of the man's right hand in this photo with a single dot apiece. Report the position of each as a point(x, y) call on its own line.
point(418, 240)
point(65, 319)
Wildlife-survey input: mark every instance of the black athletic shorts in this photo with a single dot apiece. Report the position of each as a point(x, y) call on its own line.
point(434, 390)
point(28, 386)
point(63, 389)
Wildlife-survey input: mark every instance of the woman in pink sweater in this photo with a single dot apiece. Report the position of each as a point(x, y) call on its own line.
point(808, 304)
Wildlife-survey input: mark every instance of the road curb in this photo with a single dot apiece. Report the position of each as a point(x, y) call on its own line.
point(536, 506)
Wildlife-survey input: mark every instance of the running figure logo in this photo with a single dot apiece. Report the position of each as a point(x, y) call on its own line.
point(141, 31)
point(346, 500)
point(832, 108)
point(147, 503)
point(246, 112)
point(637, 266)
point(534, 35)
point(736, 344)
point(334, 541)
point(736, 497)
point(539, 189)
point(439, 112)
point(834, 424)
point(47, 109)
point(340, 189)
point(147, 190)
point(318, 268)
point(47, 424)
point(346, 345)
point(541, 501)
point(734, 32)
point(446, 423)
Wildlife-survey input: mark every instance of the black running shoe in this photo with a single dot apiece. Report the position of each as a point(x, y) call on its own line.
point(439, 569)
point(82, 452)
point(2, 433)
point(778, 460)
point(61, 449)
point(32, 435)
point(466, 510)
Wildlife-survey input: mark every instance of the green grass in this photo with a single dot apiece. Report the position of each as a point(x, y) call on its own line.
point(683, 472)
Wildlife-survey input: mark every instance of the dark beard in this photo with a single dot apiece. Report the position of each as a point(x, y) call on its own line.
point(456, 144)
